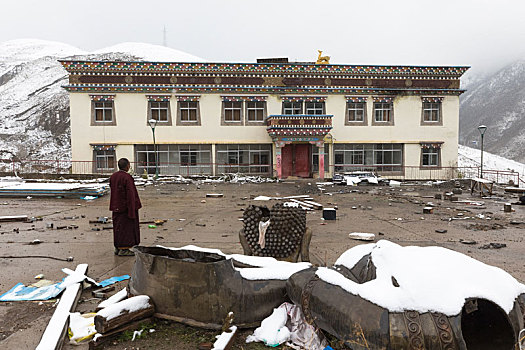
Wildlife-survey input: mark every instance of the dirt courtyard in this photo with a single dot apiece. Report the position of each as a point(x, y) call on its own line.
point(391, 213)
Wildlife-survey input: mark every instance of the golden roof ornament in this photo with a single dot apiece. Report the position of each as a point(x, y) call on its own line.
point(322, 59)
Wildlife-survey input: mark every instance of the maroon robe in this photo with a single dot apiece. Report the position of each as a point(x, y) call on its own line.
point(125, 205)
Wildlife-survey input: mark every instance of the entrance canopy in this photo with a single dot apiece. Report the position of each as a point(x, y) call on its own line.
point(286, 129)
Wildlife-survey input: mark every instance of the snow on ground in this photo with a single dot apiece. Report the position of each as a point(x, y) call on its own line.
point(471, 157)
point(424, 277)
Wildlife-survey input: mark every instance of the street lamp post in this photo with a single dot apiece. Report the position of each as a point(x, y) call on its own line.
point(482, 129)
point(153, 123)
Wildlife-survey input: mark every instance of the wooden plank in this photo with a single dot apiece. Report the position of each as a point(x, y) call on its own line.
point(315, 204)
point(56, 329)
point(302, 204)
point(103, 324)
point(102, 339)
point(13, 218)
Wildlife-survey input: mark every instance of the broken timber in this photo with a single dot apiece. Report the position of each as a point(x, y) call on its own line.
point(103, 338)
point(103, 323)
point(57, 327)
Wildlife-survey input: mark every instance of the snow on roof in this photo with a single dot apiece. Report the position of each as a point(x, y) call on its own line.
point(265, 268)
point(432, 279)
point(150, 52)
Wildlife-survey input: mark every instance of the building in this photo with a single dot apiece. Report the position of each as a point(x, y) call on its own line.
point(276, 119)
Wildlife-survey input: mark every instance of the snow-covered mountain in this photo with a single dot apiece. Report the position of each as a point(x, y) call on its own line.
point(471, 157)
point(497, 101)
point(34, 108)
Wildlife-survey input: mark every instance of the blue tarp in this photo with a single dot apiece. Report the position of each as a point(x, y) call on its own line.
point(22, 293)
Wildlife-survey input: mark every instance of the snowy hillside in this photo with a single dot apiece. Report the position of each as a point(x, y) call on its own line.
point(497, 101)
point(34, 108)
point(469, 157)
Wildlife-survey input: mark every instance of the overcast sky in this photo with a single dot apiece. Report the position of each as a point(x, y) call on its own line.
point(480, 33)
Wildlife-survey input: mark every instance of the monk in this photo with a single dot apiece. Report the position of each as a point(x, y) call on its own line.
point(125, 205)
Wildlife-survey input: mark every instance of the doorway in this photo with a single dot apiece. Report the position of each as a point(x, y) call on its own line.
point(296, 160)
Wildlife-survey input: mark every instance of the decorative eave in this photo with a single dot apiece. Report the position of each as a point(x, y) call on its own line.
point(258, 90)
point(260, 68)
point(299, 125)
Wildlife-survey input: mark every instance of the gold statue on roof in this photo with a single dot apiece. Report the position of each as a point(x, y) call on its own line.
point(322, 59)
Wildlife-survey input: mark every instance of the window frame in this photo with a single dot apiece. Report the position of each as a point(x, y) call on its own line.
point(166, 122)
point(424, 120)
point(262, 109)
point(363, 122)
point(95, 122)
point(382, 108)
point(225, 108)
point(180, 111)
point(107, 154)
point(437, 154)
point(295, 106)
point(314, 108)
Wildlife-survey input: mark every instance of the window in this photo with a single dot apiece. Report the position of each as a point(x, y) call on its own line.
point(255, 111)
point(188, 111)
point(314, 108)
point(159, 111)
point(188, 158)
point(104, 160)
point(356, 112)
point(174, 159)
point(103, 111)
point(248, 159)
point(431, 112)
point(232, 111)
point(368, 157)
point(389, 155)
point(382, 112)
point(430, 156)
point(292, 107)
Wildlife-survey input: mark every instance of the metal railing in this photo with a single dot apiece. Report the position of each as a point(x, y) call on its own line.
point(61, 166)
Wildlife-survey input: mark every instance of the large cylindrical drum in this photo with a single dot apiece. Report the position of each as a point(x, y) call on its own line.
point(201, 288)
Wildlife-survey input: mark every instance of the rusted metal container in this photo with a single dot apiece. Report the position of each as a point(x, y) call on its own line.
point(200, 288)
point(362, 325)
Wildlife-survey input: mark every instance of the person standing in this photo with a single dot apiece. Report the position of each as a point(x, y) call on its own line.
point(125, 205)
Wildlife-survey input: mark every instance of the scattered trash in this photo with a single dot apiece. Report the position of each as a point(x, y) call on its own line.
point(203, 201)
point(152, 226)
point(507, 208)
point(428, 210)
point(468, 241)
point(394, 183)
point(39, 277)
point(273, 331)
point(329, 213)
point(441, 231)
point(81, 327)
point(35, 241)
point(493, 246)
point(361, 236)
point(214, 195)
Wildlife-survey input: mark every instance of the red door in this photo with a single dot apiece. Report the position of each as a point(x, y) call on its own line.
point(302, 164)
point(287, 161)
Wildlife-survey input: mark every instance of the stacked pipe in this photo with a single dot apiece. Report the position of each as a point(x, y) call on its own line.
point(283, 235)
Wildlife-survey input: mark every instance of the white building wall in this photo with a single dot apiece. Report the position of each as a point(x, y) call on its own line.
point(132, 127)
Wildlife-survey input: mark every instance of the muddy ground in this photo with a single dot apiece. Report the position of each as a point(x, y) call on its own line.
point(392, 213)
